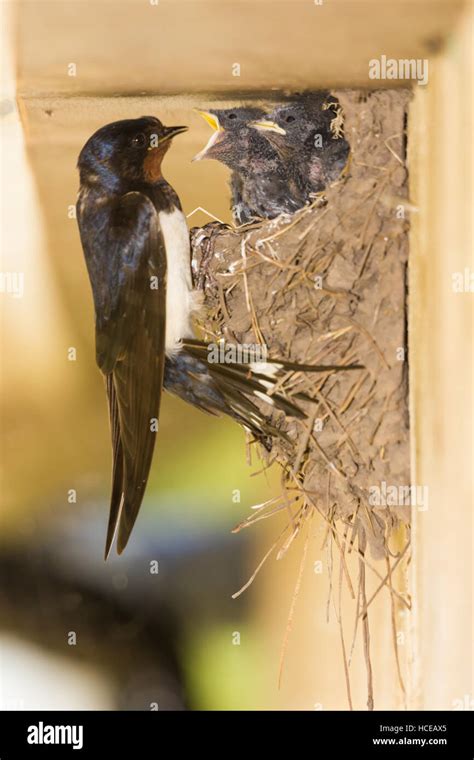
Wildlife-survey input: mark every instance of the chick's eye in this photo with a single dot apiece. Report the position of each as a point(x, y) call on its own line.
point(138, 141)
point(232, 116)
point(289, 119)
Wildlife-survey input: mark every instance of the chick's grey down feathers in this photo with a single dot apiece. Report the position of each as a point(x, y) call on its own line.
point(262, 185)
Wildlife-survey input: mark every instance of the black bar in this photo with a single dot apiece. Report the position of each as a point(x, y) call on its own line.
point(319, 733)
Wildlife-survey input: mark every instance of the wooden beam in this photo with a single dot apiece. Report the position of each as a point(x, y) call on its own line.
point(188, 46)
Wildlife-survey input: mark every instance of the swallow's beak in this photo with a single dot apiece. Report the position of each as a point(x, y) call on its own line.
point(170, 132)
point(213, 122)
point(267, 126)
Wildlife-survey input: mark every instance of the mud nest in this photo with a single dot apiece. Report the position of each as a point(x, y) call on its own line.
point(328, 285)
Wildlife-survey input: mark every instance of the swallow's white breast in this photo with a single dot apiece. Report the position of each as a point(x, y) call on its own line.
point(180, 301)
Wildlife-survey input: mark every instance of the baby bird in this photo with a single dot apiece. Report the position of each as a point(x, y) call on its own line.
point(307, 136)
point(262, 183)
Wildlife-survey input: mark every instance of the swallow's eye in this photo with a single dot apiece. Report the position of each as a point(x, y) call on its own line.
point(289, 119)
point(139, 141)
point(232, 116)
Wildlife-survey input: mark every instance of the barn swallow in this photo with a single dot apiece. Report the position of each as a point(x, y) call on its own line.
point(137, 251)
point(261, 183)
point(303, 135)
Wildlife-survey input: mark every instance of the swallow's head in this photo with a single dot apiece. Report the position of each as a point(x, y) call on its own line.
point(232, 136)
point(295, 125)
point(126, 152)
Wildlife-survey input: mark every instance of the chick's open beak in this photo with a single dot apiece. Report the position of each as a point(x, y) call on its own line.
point(267, 126)
point(211, 119)
point(213, 122)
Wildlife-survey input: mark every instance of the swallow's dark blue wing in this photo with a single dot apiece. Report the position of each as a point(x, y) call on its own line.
point(126, 258)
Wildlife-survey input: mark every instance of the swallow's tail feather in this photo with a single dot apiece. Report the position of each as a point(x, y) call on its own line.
point(233, 388)
point(221, 392)
point(269, 367)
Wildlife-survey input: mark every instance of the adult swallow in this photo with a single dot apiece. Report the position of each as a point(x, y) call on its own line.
point(261, 183)
point(302, 133)
point(137, 250)
point(134, 237)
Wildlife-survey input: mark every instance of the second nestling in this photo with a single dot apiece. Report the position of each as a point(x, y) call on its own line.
point(280, 160)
